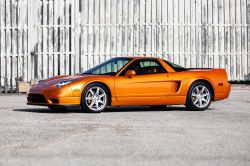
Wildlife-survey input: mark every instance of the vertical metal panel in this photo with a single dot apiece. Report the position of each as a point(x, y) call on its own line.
point(164, 28)
point(73, 59)
point(124, 27)
point(14, 43)
point(170, 31)
point(107, 30)
point(3, 44)
point(244, 40)
point(153, 28)
point(45, 40)
point(159, 29)
point(227, 40)
point(130, 27)
point(25, 40)
point(39, 41)
point(56, 44)
point(209, 33)
point(204, 33)
point(67, 41)
point(20, 32)
point(248, 39)
point(96, 34)
point(30, 31)
point(215, 33)
point(84, 39)
point(176, 31)
point(221, 33)
point(193, 33)
point(8, 40)
point(118, 27)
point(198, 33)
point(102, 31)
point(76, 24)
point(141, 25)
point(50, 38)
point(62, 38)
point(148, 28)
point(187, 34)
point(181, 33)
point(232, 41)
point(238, 40)
point(113, 28)
point(33, 46)
point(136, 27)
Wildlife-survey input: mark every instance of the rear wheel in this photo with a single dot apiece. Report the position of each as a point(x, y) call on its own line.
point(57, 108)
point(157, 106)
point(199, 96)
point(94, 98)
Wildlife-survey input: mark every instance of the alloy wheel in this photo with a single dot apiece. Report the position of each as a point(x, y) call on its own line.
point(96, 98)
point(200, 96)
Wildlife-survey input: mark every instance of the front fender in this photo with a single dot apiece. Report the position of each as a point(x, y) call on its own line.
point(79, 85)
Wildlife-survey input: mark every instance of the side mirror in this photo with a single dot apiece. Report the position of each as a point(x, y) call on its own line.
point(129, 74)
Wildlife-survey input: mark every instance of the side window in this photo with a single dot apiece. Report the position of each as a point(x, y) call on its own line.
point(148, 63)
point(112, 68)
point(145, 66)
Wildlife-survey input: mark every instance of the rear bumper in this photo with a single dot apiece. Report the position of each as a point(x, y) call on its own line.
point(221, 96)
point(228, 87)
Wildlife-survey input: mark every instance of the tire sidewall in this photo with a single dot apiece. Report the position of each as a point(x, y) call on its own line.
point(190, 100)
point(84, 106)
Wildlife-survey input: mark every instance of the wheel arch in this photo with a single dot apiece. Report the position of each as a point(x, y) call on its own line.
point(206, 82)
point(103, 84)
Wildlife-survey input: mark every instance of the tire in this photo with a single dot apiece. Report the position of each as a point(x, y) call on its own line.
point(95, 98)
point(57, 108)
point(158, 106)
point(199, 96)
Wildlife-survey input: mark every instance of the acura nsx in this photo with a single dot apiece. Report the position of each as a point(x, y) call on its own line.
point(132, 81)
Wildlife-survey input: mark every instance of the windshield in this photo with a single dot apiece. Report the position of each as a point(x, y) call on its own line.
point(110, 67)
point(175, 67)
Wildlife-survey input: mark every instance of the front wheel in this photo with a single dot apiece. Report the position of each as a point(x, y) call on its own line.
point(199, 96)
point(94, 98)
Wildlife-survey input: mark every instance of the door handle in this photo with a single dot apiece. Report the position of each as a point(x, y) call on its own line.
point(167, 76)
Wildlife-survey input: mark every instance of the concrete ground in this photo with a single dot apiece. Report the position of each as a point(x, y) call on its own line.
point(31, 135)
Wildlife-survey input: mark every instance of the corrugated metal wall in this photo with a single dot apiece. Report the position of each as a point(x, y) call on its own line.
point(192, 33)
point(70, 36)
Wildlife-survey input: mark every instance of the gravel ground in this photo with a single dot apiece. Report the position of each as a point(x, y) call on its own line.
point(31, 135)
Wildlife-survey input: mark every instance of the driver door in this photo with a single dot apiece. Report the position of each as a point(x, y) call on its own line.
point(151, 82)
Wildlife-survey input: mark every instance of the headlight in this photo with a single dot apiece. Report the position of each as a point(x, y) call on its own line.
point(63, 83)
point(38, 82)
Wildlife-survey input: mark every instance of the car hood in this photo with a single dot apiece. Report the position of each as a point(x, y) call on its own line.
point(55, 80)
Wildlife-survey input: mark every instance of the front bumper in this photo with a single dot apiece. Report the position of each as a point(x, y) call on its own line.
point(61, 105)
point(49, 101)
point(52, 96)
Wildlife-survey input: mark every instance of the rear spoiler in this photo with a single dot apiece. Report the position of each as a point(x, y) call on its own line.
point(200, 68)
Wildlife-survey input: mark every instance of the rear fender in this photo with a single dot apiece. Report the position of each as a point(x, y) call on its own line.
point(216, 77)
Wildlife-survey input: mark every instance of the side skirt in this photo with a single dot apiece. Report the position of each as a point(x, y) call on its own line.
point(170, 100)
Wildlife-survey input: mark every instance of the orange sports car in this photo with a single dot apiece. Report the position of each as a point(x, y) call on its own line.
point(127, 81)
